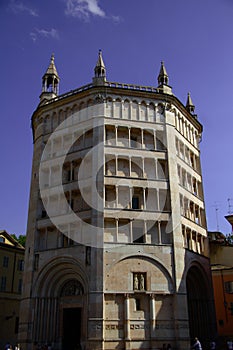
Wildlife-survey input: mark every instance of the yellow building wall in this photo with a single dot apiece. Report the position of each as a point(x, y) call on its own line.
point(11, 269)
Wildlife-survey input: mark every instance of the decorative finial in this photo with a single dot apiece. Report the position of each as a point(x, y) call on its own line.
point(163, 76)
point(50, 82)
point(189, 104)
point(100, 70)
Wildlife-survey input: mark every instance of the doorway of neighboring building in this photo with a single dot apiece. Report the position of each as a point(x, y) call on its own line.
point(71, 329)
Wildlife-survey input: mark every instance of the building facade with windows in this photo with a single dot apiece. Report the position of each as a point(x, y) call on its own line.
point(11, 277)
point(117, 252)
point(221, 250)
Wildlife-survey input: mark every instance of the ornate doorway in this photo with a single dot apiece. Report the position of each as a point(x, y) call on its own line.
point(71, 302)
point(72, 323)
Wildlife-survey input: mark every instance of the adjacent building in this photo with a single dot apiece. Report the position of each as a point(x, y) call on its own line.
point(221, 252)
point(11, 278)
point(117, 254)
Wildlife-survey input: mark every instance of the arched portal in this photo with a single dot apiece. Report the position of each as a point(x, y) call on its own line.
point(71, 305)
point(199, 304)
point(60, 305)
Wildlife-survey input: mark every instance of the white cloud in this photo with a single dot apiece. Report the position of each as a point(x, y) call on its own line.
point(52, 33)
point(18, 7)
point(83, 8)
point(116, 19)
point(33, 36)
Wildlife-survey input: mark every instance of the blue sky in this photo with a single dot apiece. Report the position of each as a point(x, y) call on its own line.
point(193, 37)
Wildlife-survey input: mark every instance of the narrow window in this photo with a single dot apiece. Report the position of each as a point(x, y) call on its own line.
point(20, 265)
point(70, 175)
point(5, 261)
point(229, 286)
point(20, 285)
point(135, 202)
point(137, 304)
point(36, 262)
point(88, 255)
point(3, 284)
point(133, 142)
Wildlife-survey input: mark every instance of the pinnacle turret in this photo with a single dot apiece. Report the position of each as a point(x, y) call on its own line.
point(163, 80)
point(189, 104)
point(100, 71)
point(50, 81)
point(163, 76)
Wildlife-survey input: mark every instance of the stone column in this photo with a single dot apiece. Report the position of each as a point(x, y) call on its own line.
point(142, 139)
point(113, 107)
point(159, 232)
point(191, 239)
point(130, 197)
point(147, 112)
point(117, 196)
point(185, 237)
point(127, 318)
point(116, 134)
point(143, 167)
point(185, 129)
point(146, 240)
point(186, 180)
point(188, 132)
point(182, 126)
point(199, 216)
point(144, 198)
point(155, 145)
point(131, 231)
point(116, 165)
point(156, 168)
point(122, 109)
point(117, 225)
point(129, 136)
point(202, 244)
point(130, 110)
point(152, 316)
point(157, 197)
point(105, 135)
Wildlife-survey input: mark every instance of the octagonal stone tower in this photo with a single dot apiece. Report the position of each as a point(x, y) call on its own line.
point(117, 251)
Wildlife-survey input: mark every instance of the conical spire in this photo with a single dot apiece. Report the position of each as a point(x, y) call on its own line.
point(100, 70)
point(50, 81)
point(100, 67)
point(189, 104)
point(163, 76)
point(52, 69)
point(163, 86)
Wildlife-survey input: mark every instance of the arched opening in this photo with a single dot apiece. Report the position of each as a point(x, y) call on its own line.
point(199, 305)
point(61, 293)
point(72, 314)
